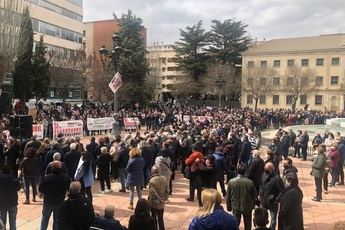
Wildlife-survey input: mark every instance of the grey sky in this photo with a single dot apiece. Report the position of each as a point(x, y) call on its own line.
point(265, 18)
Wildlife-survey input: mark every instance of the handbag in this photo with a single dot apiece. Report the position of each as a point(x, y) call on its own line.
point(186, 172)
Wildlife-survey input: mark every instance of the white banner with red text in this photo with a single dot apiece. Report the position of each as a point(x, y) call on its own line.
point(68, 128)
point(104, 123)
point(37, 130)
point(131, 122)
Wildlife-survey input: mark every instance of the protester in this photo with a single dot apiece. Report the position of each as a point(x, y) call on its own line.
point(290, 210)
point(121, 161)
point(318, 171)
point(241, 197)
point(85, 175)
point(256, 169)
point(289, 169)
point(72, 158)
point(103, 162)
point(341, 149)
point(77, 211)
point(135, 176)
point(164, 162)
point(211, 215)
point(56, 157)
point(142, 219)
point(260, 219)
point(8, 198)
point(221, 167)
point(158, 195)
point(333, 165)
point(271, 190)
point(28, 168)
point(53, 188)
point(108, 222)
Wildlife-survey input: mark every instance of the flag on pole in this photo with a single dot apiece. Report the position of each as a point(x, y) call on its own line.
point(116, 82)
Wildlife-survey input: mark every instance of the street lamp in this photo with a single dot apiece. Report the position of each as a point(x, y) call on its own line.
point(113, 57)
point(219, 83)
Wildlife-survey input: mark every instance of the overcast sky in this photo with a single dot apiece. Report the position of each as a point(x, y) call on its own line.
point(265, 18)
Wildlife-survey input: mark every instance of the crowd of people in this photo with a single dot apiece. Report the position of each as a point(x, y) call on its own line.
point(222, 147)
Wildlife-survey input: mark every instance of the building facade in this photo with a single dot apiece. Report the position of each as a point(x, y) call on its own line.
point(60, 22)
point(164, 72)
point(324, 54)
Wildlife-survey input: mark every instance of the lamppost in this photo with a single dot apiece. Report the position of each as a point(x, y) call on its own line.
point(219, 83)
point(114, 58)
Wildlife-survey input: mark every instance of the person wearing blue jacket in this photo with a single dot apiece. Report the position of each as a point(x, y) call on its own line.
point(212, 215)
point(221, 166)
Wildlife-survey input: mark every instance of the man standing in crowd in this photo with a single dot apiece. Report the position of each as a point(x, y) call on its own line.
point(304, 144)
point(318, 171)
point(77, 211)
point(246, 150)
point(271, 190)
point(241, 197)
point(260, 219)
point(9, 186)
point(289, 169)
point(222, 168)
point(341, 149)
point(121, 160)
point(72, 158)
point(53, 188)
point(158, 195)
point(256, 169)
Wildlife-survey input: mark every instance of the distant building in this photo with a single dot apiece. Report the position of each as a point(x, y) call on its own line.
point(163, 68)
point(325, 54)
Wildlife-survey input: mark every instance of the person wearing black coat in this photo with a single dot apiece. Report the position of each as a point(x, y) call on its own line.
point(12, 155)
point(256, 169)
point(246, 149)
point(8, 198)
point(103, 162)
point(71, 160)
point(271, 190)
point(108, 222)
point(77, 211)
point(53, 187)
point(49, 157)
point(121, 161)
point(142, 219)
point(304, 144)
point(285, 144)
point(290, 212)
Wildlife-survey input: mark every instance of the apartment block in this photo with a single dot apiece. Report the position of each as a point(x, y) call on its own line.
point(325, 54)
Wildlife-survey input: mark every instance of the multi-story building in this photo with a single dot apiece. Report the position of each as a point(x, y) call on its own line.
point(163, 68)
point(60, 22)
point(325, 54)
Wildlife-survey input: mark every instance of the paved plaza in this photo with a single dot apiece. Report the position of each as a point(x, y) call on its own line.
point(179, 213)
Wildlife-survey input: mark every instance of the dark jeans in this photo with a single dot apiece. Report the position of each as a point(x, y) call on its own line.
point(106, 179)
point(304, 152)
point(146, 176)
point(297, 151)
point(335, 176)
point(222, 186)
point(341, 172)
point(325, 182)
point(318, 185)
point(46, 213)
point(157, 215)
point(247, 218)
point(85, 191)
point(33, 182)
point(12, 217)
point(273, 213)
point(194, 184)
point(122, 176)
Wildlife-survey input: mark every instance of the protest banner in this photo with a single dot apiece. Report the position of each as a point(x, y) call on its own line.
point(131, 123)
point(104, 123)
point(37, 130)
point(68, 128)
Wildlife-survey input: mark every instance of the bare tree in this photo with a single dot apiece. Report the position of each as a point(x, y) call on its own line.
point(68, 70)
point(187, 87)
point(257, 81)
point(9, 33)
point(299, 81)
point(231, 86)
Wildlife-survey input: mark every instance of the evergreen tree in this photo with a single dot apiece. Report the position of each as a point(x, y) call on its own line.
point(23, 66)
point(41, 71)
point(229, 39)
point(133, 63)
point(192, 57)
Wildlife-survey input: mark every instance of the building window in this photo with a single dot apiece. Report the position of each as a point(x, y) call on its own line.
point(305, 62)
point(276, 63)
point(289, 100)
point(275, 99)
point(290, 62)
point(318, 99)
point(319, 61)
point(303, 99)
point(319, 81)
point(52, 93)
point(262, 100)
point(250, 64)
point(335, 61)
point(249, 99)
point(276, 81)
point(263, 63)
point(334, 80)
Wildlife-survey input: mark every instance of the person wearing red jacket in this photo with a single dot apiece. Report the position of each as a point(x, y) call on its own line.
point(196, 159)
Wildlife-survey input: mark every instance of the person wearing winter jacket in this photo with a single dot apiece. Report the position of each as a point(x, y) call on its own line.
point(333, 165)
